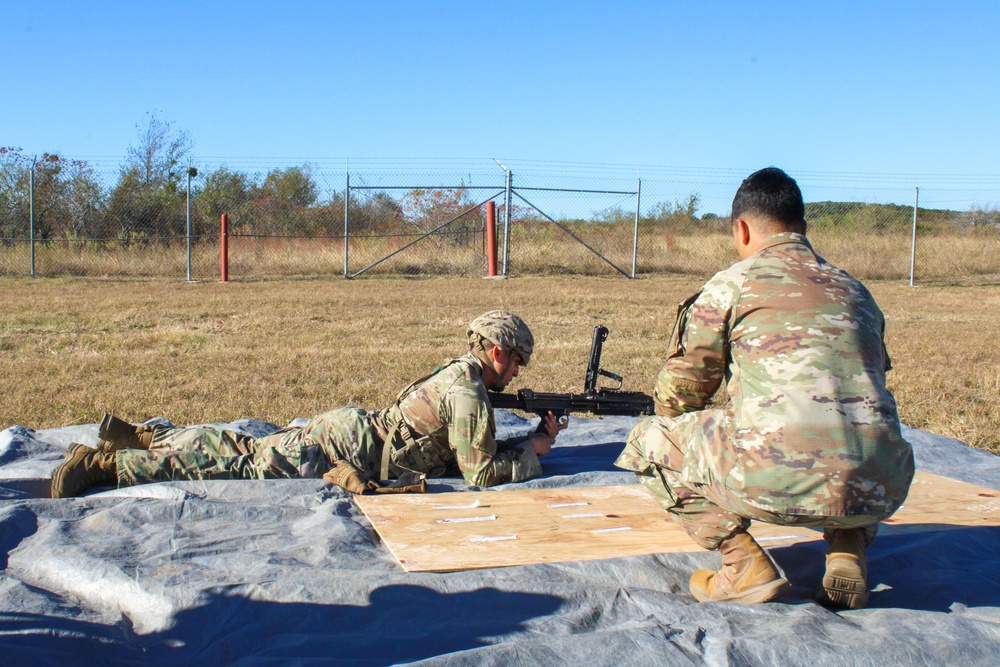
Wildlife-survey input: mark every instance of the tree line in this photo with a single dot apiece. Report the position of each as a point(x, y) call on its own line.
point(149, 199)
point(149, 196)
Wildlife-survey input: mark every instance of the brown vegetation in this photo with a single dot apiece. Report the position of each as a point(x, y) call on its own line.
point(73, 349)
point(544, 249)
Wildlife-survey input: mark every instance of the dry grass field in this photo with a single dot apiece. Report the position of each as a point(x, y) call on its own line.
point(941, 258)
point(71, 349)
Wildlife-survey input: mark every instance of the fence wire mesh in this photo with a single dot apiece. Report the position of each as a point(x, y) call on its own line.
point(428, 222)
point(95, 217)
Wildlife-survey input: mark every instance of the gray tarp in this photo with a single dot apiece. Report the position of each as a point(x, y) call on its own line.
point(290, 572)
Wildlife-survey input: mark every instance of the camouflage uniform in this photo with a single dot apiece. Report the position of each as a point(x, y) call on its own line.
point(439, 423)
point(809, 435)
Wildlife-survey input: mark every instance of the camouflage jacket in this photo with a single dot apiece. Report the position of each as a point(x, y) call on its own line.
point(447, 421)
point(811, 426)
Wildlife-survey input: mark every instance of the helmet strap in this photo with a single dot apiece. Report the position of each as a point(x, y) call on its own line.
point(498, 386)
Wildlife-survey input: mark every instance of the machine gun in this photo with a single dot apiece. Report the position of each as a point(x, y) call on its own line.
point(595, 400)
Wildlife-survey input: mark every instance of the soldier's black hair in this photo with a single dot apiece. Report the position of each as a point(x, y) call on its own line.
point(772, 194)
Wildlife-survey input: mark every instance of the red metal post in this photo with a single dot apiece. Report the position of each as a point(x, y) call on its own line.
point(491, 237)
point(224, 247)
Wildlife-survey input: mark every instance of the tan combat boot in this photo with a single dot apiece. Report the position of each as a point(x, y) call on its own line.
point(845, 583)
point(114, 434)
point(82, 468)
point(748, 575)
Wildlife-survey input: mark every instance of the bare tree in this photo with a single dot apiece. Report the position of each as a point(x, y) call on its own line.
point(159, 156)
point(148, 200)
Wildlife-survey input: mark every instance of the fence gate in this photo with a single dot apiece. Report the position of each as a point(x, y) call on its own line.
point(609, 235)
point(449, 224)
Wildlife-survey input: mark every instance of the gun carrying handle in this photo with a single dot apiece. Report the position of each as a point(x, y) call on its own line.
point(614, 376)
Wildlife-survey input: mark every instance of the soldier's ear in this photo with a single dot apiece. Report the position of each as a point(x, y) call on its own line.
point(741, 237)
point(741, 232)
point(495, 354)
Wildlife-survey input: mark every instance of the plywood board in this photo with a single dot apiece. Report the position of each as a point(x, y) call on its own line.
point(941, 503)
point(469, 530)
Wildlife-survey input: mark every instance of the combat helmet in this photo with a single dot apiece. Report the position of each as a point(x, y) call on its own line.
point(505, 330)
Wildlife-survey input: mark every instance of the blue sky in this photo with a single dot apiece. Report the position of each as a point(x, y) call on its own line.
point(905, 88)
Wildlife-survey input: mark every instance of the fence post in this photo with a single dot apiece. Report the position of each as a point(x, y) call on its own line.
point(506, 226)
point(491, 238)
point(635, 231)
point(913, 240)
point(31, 213)
point(347, 219)
point(224, 246)
point(189, 221)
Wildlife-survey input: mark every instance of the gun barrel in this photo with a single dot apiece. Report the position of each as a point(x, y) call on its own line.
point(629, 403)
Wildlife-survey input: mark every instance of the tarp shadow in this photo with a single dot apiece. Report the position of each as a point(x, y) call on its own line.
point(16, 489)
point(18, 523)
point(583, 458)
point(929, 570)
point(400, 623)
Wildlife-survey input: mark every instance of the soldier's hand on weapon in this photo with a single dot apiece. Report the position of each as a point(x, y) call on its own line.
point(543, 439)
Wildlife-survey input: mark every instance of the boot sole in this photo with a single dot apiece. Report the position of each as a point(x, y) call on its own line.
point(60, 470)
point(844, 586)
point(772, 590)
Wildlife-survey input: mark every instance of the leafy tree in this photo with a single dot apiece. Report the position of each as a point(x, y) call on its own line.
point(327, 219)
point(138, 212)
point(676, 216)
point(50, 213)
point(221, 191)
point(378, 212)
point(877, 218)
point(614, 215)
point(676, 209)
point(67, 196)
point(284, 198)
point(427, 208)
point(14, 167)
point(291, 188)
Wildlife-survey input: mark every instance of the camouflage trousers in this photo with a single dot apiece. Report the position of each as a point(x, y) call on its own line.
point(660, 449)
point(206, 452)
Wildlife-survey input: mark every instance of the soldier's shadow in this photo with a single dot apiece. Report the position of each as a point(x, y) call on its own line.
point(939, 568)
point(400, 623)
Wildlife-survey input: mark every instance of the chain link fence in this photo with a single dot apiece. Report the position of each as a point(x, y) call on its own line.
point(78, 217)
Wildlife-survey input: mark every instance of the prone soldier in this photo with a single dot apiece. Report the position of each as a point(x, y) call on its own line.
point(437, 424)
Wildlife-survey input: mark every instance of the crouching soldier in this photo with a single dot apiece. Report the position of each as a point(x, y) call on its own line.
point(439, 424)
point(809, 435)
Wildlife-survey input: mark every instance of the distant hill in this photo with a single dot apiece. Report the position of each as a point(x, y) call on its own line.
point(884, 217)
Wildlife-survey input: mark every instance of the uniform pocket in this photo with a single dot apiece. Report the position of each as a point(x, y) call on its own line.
point(676, 348)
